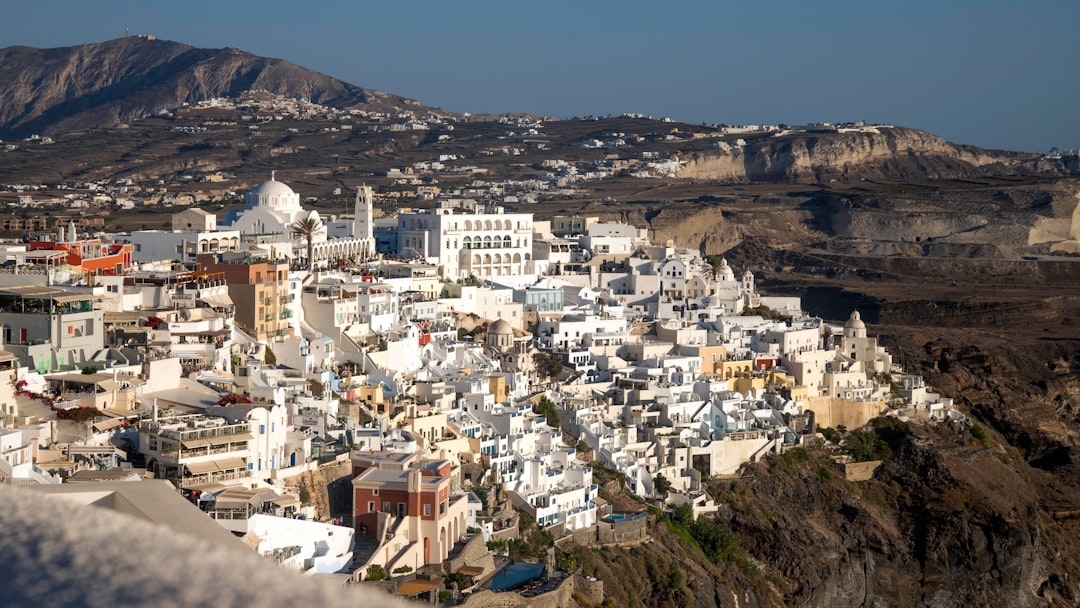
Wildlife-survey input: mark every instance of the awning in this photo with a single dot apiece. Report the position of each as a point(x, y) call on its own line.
point(470, 570)
point(286, 501)
point(106, 425)
point(109, 385)
point(228, 464)
point(224, 464)
point(208, 487)
point(198, 468)
point(233, 502)
point(219, 300)
point(227, 439)
point(416, 587)
point(194, 443)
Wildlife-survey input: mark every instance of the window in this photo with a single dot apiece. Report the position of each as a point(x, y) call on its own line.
point(375, 492)
point(442, 508)
point(371, 506)
point(427, 510)
point(401, 509)
point(262, 429)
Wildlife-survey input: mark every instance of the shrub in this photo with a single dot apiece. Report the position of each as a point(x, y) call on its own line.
point(978, 433)
point(866, 445)
point(375, 572)
point(547, 364)
point(661, 485)
point(551, 413)
point(830, 435)
point(403, 569)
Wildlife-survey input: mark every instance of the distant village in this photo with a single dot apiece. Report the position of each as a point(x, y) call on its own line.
point(469, 370)
point(427, 180)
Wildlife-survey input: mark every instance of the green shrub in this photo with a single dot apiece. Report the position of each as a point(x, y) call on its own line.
point(375, 572)
point(979, 434)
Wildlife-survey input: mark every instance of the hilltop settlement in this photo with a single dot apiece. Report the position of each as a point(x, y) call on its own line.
point(430, 401)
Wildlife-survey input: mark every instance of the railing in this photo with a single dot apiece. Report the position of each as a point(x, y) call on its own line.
point(241, 446)
point(195, 480)
point(205, 432)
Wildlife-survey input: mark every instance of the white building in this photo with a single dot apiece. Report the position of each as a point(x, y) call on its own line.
point(483, 242)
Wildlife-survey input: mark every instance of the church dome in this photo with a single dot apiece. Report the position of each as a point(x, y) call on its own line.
point(501, 328)
point(271, 189)
point(273, 195)
point(855, 322)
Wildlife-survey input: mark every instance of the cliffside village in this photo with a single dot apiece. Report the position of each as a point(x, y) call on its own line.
point(467, 366)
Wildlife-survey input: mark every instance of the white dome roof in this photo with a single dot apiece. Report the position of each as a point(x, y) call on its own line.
point(272, 188)
point(501, 327)
point(855, 322)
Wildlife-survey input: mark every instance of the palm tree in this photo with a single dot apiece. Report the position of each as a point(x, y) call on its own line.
point(308, 228)
point(714, 266)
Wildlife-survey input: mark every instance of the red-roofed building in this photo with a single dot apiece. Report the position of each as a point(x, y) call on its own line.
point(406, 500)
point(91, 255)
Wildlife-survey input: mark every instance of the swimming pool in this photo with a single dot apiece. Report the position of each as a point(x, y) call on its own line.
point(610, 517)
point(515, 575)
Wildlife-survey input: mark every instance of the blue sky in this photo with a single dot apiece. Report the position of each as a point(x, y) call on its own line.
point(988, 73)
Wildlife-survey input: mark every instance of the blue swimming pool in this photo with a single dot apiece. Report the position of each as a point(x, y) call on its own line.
point(515, 575)
point(622, 516)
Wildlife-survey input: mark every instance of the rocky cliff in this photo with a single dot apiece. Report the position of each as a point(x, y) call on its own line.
point(48, 91)
point(884, 153)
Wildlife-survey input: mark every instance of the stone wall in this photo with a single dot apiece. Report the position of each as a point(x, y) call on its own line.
point(475, 554)
point(861, 471)
point(331, 489)
point(560, 597)
point(834, 411)
point(608, 533)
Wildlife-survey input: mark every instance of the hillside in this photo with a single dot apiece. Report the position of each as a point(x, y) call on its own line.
point(50, 91)
point(874, 153)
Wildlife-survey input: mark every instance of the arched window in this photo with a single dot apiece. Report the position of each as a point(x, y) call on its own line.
point(506, 241)
point(468, 224)
point(487, 225)
point(487, 242)
point(467, 243)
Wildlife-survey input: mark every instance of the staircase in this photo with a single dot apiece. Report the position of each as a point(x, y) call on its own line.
point(363, 550)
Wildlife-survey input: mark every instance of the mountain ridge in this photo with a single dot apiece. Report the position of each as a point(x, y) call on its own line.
point(56, 90)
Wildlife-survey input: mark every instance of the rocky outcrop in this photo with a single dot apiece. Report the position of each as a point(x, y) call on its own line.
point(946, 522)
point(48, 91)
point(887, 153)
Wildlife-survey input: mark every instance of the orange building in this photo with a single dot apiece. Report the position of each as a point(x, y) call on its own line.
point(259, 288)
point(91, 255)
